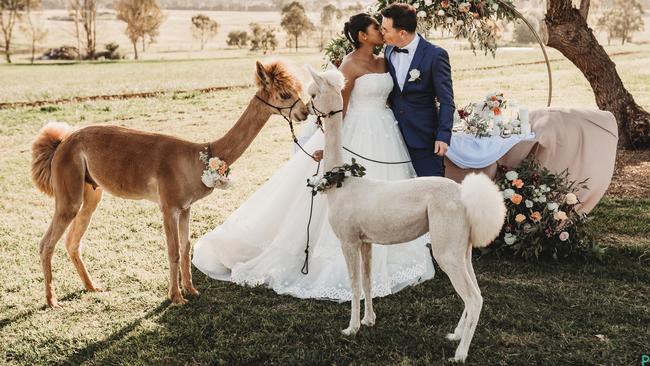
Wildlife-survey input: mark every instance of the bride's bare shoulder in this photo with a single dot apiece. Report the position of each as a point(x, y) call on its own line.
point(350, 68)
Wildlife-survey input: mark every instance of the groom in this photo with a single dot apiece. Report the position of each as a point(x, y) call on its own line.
point(421, 74)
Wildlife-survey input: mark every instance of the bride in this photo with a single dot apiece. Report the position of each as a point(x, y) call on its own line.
point(263, 242)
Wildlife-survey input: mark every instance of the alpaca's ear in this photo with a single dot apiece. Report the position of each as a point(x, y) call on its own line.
point(318, 80)
point(262, 75)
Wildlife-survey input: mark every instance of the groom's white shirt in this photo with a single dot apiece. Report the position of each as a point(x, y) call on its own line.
point(402, 61)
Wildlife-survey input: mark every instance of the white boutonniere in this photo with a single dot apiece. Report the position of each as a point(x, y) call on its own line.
point(414, 75)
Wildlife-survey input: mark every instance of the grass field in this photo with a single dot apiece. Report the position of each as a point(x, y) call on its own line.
point(534, 313)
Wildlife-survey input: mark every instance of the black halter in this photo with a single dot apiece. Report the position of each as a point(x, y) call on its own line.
point(280, 109)
point(320, 115)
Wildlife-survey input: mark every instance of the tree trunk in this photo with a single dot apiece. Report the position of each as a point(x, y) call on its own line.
point(569, 34)
point(144, 41)
point(33, 48)
point(7, 48)
point(296, 43)
point(135, 48)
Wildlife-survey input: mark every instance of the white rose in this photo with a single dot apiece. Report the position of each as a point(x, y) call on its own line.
point(495, 7)
point(450, 20)
point(529, 204)
point(571, 199)
point(542, 199)
point(459, 23)
point(428, 2)
point(208, 178)
point(509, 239)
point(441, 12)
point(552, 206)
point(415, 74)
point(512, 175)
point(422, 14)
point(477, 23)
point(508, 193)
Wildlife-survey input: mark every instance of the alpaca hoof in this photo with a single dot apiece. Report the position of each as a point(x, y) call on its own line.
point(368, 321)
point(459, 358)
point(54, 304)
point(349, 331)
point(178, 300)
point(453, 337)
point(192, 292)
point(94, 288)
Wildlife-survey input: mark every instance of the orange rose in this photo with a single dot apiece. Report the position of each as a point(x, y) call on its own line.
point(494, 97)
point(536, 216)
point(516, 198)
point(518, 183)
point(520, 218)
point(496, 111)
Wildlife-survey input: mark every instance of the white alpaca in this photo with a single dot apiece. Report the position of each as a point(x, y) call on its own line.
point(365, 211)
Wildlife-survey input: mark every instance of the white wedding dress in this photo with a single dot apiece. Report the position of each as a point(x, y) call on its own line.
point(263, 241)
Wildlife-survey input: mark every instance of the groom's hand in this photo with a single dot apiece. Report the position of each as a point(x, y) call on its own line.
point(440, 148)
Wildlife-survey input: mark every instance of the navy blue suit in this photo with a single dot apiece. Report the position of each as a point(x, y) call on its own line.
point(419, 118)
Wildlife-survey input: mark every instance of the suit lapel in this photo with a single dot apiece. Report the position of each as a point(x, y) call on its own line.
point(415, 62)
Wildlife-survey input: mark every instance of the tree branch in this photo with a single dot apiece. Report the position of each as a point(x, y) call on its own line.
point(584, 8)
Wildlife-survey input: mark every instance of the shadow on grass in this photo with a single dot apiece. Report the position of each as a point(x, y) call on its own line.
point(533, 312)
point(27, 314)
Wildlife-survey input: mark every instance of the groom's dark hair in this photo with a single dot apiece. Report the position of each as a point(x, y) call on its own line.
point(403, 15)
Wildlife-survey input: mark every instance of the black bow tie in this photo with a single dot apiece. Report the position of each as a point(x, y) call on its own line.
point(401, 50)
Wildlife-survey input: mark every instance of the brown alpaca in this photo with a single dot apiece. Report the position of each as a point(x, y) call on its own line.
point(77, 166)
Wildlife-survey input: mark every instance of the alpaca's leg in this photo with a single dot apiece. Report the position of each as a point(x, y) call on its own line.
point(456, 270)
point(366, 262)
point(352, 259)
point(186, 247)
point(170, 221)
point(91, 198)
point(458, 332)
point(68, 186)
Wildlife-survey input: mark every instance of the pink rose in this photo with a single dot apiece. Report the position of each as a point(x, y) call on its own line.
point(564, 236)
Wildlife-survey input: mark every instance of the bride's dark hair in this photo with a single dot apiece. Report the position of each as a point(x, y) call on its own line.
point(358, 23)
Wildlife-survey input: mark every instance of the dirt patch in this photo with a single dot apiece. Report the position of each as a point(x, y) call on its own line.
point(631, 175)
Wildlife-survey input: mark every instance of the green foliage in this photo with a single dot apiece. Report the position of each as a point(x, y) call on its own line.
point(295, 21)
point(237, 38)
point(622, 20)
point(204, 28)
point(523, 34)
point(263, 38)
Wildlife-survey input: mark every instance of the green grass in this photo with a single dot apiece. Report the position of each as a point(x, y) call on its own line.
point(534, 313)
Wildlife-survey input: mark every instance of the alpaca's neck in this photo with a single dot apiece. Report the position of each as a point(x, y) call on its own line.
point(333, 152)
point(233, 144)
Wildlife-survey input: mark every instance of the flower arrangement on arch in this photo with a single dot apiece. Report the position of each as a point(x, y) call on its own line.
point(474, 20)
point(541, 219)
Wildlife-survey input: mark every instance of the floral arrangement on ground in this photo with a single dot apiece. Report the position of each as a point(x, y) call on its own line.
point(542, 219)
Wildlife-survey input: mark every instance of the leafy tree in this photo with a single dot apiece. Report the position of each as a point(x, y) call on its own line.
point(237, 38)
point(142, 17)
point(263, 38)
point(295, 21)
point(623, 19)
point(204, 28)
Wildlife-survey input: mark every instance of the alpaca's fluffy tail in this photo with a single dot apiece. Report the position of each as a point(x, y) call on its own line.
point(43, 148)
point(485, 208)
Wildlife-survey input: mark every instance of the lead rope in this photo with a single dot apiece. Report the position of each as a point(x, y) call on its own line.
point(305, 266)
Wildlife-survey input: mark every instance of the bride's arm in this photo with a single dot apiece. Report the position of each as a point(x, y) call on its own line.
point(350, 77)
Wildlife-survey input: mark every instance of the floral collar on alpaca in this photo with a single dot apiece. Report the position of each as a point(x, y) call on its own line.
point(216, 170)
point(336, 177)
